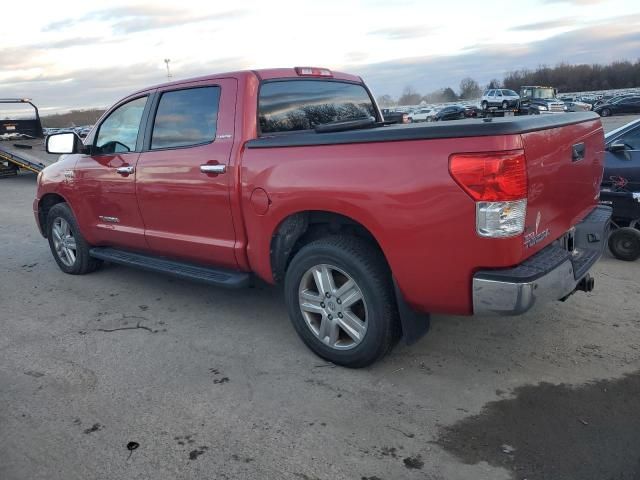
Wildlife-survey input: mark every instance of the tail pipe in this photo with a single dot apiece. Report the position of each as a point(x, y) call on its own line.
point(586, 284)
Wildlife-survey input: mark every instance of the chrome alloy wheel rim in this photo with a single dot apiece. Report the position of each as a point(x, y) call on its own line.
point(64, 242)
point(333, 307)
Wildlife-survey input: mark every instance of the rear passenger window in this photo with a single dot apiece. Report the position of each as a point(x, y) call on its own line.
point(186, 117)
point(291, 105)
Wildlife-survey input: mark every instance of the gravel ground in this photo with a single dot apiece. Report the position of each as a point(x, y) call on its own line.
point(215, 384)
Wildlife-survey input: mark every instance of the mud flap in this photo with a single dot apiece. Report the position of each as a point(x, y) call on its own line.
point(414, 324)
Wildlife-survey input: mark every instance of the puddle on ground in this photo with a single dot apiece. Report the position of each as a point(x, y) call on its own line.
point(586, 432)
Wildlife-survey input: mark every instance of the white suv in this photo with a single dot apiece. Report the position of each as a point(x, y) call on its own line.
point(422, 115)
point(500, 97)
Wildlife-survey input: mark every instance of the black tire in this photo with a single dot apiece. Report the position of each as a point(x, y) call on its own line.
point(367, 268)
point(605, 112)
point(83, 263)
point(485, 105)
point(624, 243)
point(505, 105)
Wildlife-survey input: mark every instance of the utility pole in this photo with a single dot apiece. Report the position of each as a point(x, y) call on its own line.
point(167, 60)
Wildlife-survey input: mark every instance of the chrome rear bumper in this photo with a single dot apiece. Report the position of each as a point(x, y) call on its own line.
point(551, 274)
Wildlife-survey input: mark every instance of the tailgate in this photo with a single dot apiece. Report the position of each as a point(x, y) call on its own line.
point(564, 167)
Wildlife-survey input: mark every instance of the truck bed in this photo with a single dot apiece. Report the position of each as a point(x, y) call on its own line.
point(473, 127)
point(28, 154)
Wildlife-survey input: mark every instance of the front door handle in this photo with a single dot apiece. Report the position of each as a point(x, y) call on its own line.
point(213, 168)
point(125, 170)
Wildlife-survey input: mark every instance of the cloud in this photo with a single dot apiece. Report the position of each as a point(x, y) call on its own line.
point(580, 3)
point(130, 19)
point(601, 43)
point(403, 33)
point(20, 58)
point(356, 56)
point(102, 87)
point(547, 25)
point(71, 42)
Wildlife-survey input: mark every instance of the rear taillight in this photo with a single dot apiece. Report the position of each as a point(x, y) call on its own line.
point(498, 184)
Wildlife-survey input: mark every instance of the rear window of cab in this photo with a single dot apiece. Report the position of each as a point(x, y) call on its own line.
point(296, 105)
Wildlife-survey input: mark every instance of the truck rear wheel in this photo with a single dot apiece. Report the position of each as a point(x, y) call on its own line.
point(624, 243)
point(340, 299)
point(69, 248)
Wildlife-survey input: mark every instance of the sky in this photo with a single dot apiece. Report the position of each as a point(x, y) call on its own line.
point(69, 54)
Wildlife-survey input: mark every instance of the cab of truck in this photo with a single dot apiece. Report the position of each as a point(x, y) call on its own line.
point(536, 99)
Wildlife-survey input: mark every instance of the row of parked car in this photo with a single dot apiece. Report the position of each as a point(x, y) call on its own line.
point(81, 131)
point(531, 100)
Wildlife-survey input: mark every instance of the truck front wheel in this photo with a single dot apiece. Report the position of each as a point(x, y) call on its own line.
point(69, 248)
point(340, 298)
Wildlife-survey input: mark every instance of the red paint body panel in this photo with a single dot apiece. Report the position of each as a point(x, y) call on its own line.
point(562, 191)
point(100, 192)
point(401, 191)
point(187, 213)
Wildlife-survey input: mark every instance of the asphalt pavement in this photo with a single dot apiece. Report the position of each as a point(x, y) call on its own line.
point(124, 374)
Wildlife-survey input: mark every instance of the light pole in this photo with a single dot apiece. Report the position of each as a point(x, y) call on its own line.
point(167, 60)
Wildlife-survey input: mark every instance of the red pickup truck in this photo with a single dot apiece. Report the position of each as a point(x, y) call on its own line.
point(292, 176)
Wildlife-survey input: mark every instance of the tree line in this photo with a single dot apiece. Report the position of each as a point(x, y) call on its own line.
point(565, 77)
point(74, 118)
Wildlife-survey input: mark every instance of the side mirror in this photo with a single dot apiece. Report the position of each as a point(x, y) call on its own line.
point(617, 147)
point(67, 142)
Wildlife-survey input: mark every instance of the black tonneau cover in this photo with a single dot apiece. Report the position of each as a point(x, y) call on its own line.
point(450, 129)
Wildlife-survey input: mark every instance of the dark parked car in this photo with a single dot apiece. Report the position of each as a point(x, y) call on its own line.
point(619, 105)
point(621, 188)
point(394, 117)
point(612, 98)
point(471, 112)
point(454, 112)
point(622, 158)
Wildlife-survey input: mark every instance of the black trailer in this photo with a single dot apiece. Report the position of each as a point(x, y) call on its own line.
point(22, 142)
point(624, 239)
point(491, 112)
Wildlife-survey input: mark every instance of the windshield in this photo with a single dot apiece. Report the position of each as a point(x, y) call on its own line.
point(616, 100)
point(543, 93)
point(538, 92)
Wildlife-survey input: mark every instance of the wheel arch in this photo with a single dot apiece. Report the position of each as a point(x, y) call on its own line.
point(299, 228)
point(45, 204)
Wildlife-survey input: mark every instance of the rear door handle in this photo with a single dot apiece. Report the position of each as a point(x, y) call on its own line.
point(125, 170)
point(213, 168)
point(577, 151)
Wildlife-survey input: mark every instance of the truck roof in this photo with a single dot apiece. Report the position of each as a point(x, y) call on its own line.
point(262, 74)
